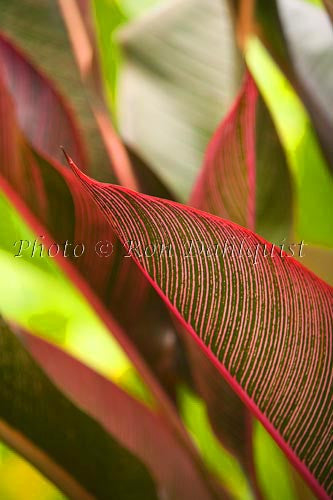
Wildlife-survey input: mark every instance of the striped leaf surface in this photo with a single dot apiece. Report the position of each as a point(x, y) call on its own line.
point(261, 318)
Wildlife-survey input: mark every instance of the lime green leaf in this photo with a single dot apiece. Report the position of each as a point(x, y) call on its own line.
point(312, 180)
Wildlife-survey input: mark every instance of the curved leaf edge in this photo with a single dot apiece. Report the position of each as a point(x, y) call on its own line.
point(250, 404)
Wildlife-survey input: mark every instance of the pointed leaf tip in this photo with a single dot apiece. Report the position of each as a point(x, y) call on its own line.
point(68, 158)
point(74, 167)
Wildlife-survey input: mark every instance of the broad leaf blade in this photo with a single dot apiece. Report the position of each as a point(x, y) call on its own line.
point(174, 89)
point(91, 463)
point(251, 319)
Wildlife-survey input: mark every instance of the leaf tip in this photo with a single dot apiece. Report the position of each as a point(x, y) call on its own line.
point(75, 169)
point(68, 158)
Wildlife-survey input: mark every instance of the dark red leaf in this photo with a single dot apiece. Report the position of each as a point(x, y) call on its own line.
point(43, 115)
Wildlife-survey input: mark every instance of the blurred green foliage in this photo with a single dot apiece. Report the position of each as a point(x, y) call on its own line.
point(19, 478)
point(312, 180)
point(221, 463)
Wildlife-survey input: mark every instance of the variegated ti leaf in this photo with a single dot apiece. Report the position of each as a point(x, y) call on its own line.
point(262, 319)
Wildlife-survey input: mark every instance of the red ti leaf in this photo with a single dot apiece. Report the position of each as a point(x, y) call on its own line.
point(262, 319)
point(245, 173)
point(43, 115)
point(226, 185)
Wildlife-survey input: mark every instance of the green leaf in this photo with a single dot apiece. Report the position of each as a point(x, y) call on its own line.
point(275, 475)
point(313, 182)
point(222, 464)
point(108, 17)
point(16, 473)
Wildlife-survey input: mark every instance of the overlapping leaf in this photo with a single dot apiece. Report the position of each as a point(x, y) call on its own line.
point(56, 207)
point(37, 27)
point(56, 199)
point(304, 51)
point(312, 180)
point(103, 278)
point(245, 175)
point(243, 179)
point(182, 71)
point(141, 431)
point(263, 320)
point(92, 463)
point(36, 100)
